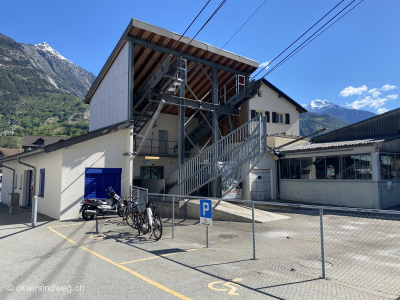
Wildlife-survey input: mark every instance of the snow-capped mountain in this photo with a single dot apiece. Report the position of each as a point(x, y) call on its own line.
point(59, 71)
point(345, 114)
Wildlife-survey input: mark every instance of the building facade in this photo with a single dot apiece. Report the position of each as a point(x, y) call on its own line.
point(355, 166)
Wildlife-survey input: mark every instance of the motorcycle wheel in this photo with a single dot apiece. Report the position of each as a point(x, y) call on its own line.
point(85, 215)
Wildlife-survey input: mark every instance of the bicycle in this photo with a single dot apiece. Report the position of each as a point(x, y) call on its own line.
point(132, 214)
point(151, 221)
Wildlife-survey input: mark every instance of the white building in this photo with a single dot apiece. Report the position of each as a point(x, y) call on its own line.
point(282, 114)
point(155, 107)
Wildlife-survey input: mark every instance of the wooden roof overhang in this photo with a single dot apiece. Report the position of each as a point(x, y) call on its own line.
point(152, 44)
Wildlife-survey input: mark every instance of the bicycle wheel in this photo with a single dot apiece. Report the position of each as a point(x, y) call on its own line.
point(130, 219)
point(145, 223)
point(157, 230)
point(138, 223)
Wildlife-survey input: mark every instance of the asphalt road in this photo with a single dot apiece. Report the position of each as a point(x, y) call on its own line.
point(69, 260)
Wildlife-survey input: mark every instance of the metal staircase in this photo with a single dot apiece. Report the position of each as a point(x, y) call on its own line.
point(167, 78)
point(203, 128)
point(228, 161)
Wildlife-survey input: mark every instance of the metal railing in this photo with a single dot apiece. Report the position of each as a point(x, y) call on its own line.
point(139, 195)
point(354, 248)
point(230, 158)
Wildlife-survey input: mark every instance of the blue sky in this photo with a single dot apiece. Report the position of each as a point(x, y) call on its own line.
point(355, 63)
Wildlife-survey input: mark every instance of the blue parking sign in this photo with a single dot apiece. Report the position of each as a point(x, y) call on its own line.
point(205, 208)
point(205, 212)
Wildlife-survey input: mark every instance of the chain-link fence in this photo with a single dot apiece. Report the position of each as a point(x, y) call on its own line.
point(139, 195)
point(332, 253)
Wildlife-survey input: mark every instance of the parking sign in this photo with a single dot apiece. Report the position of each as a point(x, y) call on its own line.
point(205, 212)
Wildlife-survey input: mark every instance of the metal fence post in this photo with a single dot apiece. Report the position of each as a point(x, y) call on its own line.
point(97, 226)
point(254, 230)
point(173, 217)
point(34, 211)
point(208, 240)
point(321, 222)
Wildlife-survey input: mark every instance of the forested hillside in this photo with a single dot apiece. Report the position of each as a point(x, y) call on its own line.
point(31, 102)
point(311, 122)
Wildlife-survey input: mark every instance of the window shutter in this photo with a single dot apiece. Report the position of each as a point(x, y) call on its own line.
point(42, 179)
point(267, 114)
point(273, 117)
point(253, 114)
point(287, 118)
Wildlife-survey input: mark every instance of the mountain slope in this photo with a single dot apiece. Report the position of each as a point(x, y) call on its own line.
point(311, 122)
point(40, 91)
point(345, 114)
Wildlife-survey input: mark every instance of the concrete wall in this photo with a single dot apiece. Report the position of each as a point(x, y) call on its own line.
point(109, 104)
point(267, 163)
point(350, 193)
point(102, 152)
point(51, 162)
point(269, 101)
point(389, 194)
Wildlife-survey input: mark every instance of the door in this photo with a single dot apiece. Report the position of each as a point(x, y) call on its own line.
point(260, 185)
point(151, 172)
point(27, 192)
point(97, 180)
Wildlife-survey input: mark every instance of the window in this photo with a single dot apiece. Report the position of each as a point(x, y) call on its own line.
point(306, 167)
point(151, 172)
point(259, 93)
point(319, 164)
point(362, 166)
point(280, 118)
point(347, 167)
point(256, 113)
point(295, 168)
point(285, 171)
point(332, 167)
point(389, 166)
point(41, 182)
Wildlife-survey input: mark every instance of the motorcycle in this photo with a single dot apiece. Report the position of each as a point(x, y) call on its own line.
point(94, 207)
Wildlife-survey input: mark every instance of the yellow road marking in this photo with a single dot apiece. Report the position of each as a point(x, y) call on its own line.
point(67, 225)
point(153, 257)
point(136, 274)
point(230, 284)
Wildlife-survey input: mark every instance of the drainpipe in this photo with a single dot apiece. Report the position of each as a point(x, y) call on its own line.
point(34, 204)
point(13, 181)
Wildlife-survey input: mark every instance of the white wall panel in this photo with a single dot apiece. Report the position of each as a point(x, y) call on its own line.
point(102, 152)
point(112, 92)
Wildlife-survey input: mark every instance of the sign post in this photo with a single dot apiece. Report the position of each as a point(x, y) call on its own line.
point(206, 216)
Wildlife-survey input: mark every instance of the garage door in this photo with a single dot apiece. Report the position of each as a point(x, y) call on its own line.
point(97, 180)
point(260, 185)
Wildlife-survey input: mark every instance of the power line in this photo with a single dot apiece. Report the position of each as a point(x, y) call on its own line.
point(308, 39)
point(285, 60)
point(298, 39)
point(189, 26)
point(215, 54)
point(204, 25)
